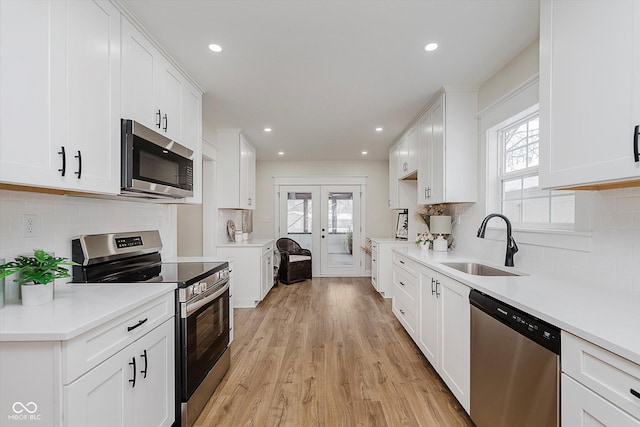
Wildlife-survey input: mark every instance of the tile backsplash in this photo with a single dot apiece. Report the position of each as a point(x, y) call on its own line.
point(607, 262)
point(58, 219)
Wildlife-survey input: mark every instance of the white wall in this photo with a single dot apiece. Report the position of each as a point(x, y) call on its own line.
point(606, 260)
point(61, 218)
point(379, 220)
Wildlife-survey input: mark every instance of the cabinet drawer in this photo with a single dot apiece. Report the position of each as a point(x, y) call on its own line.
point(267, 249)
point(84, 352)
point(405, 311)
point(405, 264)
point(582, 407)
point(608, 374)
point(405, 283)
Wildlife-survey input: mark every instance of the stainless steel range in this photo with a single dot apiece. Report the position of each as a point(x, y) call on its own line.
point(202, 306)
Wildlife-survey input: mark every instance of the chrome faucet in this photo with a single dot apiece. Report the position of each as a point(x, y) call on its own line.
point(512, 248)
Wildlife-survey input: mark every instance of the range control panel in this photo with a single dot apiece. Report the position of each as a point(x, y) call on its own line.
point(531, 327)
point(128, 242)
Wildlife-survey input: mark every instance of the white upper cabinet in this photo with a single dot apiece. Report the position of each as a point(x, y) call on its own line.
point(152, 89)
point(589, 92)
point(447, 142)
point(60, 85)
point(408, 153)
point(236, 171)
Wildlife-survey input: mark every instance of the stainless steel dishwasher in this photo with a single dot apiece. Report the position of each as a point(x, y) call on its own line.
point(515, 366)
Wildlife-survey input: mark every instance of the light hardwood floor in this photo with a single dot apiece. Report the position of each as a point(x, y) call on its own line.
point(328, 352)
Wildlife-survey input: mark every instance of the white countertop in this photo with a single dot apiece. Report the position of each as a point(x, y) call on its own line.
point(245, 243)
point(75, 309)
point(608, 319)
point(389, 240)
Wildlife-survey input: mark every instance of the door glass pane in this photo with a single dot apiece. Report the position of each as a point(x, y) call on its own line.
point(299, 218)
point(340, 229)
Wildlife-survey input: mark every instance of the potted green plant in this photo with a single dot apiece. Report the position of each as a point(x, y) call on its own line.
point(36, 275)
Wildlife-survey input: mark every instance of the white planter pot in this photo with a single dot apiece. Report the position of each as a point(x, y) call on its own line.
point(36, 294)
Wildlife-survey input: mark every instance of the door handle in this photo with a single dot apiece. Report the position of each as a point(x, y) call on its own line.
point(166, 122)
point(79, 157)
point(159, 118)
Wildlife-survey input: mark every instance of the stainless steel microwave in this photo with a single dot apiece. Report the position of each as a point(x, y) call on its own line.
point(154, 166)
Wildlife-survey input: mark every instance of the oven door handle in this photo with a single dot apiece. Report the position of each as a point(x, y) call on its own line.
point(202, 300)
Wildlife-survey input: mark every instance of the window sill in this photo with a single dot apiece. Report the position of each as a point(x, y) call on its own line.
point(560, 239)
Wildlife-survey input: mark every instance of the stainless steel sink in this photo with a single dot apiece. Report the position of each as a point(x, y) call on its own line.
point(477, 269)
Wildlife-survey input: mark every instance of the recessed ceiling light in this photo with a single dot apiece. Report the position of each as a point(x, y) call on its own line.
point(364, 153)
point(267, 129)
point(378, 129)
point(280, 153)
point(215, 47)
point(431, 47)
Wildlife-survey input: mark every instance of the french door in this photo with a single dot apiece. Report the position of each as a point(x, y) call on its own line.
point(326, 220)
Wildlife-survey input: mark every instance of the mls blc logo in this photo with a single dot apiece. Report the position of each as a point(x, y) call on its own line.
point(24, 412)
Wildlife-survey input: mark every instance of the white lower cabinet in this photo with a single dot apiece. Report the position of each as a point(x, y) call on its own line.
point(406, 293)
point(599, 388)
point(252, 272)
point(583, 408)
point(444, 331)
point(133, 387)
point(381, 261)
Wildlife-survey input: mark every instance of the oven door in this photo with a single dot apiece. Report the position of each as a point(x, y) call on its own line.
point(204, 327)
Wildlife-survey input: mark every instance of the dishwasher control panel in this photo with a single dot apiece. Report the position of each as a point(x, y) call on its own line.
point(530, 326)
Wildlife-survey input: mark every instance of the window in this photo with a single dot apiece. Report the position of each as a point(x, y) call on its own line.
point(521, 199)
point(299, 210)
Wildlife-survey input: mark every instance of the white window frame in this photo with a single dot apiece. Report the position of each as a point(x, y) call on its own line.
point(519, 103)
point(523, 117)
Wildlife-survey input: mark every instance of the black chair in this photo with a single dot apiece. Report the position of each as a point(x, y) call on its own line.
point(295, 262)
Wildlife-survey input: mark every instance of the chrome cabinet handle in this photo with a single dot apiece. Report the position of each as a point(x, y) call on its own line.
point(433, 291)
point(159, 119)
point(64, 161)
point(402, 283)
point(166, 122)
point(401, 311)
point(133, 363)
point(437, 293)
point(401, 261)
point(635, 393)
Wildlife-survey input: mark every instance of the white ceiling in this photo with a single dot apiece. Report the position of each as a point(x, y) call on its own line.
point(325, 73)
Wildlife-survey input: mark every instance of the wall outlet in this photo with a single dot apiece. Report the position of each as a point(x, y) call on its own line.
point(30, 225)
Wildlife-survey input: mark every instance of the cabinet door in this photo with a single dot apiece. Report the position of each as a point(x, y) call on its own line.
point(587, 93)
point(394, 172)
point(437, 152)
point(155, 386)
point(455, 338)
point(138, 102)
point(168, 90)
point(424, 171)
point(411, 143)
point(583, 408)
point(429, 317)
point(93, 73)
point(32, 84)
point(103, 396)
point(247, 174)
point(267, 274)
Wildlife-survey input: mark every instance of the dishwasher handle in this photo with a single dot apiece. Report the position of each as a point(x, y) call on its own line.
point(535, 329)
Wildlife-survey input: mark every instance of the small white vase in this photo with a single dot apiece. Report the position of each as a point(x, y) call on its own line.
point(36, 294)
